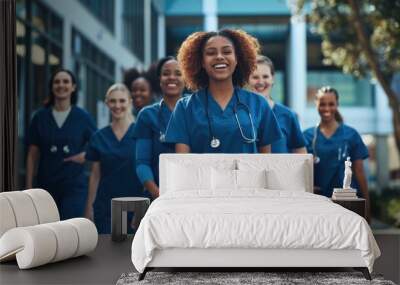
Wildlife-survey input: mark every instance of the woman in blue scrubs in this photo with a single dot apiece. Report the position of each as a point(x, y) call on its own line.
point(261, 81)
point(112, 150)
point(56, 139)
point(152, 123)
point(331, 142)
point(221, 117)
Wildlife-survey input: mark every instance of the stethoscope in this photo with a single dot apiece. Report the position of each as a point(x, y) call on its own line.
point(341, 154)
point(162, 123)
point(53, 147)
point(215, 142)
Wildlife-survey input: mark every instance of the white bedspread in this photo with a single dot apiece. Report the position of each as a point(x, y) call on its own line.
point(252, 218)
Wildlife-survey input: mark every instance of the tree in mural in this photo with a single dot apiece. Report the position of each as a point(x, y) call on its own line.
point(362, 38)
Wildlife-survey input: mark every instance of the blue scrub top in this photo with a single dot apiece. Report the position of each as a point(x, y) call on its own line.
point(333, 152)
point(292, 136)
point(150, 122)
point(117, 167)
point(73, 136)
point(189, 124)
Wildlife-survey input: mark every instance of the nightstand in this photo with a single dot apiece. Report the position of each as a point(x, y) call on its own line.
point(357, 205)
point(119, 208)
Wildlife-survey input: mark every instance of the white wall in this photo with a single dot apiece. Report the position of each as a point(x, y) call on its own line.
point(297, 66)
point(74, 14)
point(210, 15)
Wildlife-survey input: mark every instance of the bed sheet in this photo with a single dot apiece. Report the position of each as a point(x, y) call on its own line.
point(250, 218)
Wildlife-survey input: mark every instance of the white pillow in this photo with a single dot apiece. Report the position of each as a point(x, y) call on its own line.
point(188, 177)
point(251, 178)
point(224, 179)
point(278, 180)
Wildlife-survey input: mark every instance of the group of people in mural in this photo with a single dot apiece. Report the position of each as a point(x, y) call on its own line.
point(230, 110)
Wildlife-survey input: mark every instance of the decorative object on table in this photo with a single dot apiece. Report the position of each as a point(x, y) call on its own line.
point(119, 208)
point(347, 174)
point(345, 193)
point(347, 196)
point(243, 278)
point(31, 231)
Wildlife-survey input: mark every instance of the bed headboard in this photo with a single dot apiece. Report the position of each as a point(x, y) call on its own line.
point(287, 168)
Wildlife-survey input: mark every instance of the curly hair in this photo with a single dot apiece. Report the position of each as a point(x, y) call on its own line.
point(190, 57)
point(130, 75)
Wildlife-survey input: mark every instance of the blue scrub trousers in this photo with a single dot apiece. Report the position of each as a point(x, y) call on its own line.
point(102, 217)
point(70, 199)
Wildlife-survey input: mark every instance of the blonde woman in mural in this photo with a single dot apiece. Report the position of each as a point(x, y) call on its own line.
point(112, 150)
point(261, 81)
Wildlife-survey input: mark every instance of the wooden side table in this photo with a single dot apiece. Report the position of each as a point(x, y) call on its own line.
point(119, 209)
point(357, 205)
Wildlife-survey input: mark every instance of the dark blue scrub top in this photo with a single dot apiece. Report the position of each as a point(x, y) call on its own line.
point(150, 121)
point(292, 136)
point(117, 166)
point(74, 133)
point(189, 124)
point(333, 152)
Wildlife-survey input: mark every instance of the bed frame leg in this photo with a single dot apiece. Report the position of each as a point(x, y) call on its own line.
point(143, 274)
point(364, 271)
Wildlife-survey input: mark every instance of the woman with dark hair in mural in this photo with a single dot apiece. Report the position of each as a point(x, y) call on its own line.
point(221, 117)
point(139, 84)
point(56, 141)
point(332, 142)
point(152, 122)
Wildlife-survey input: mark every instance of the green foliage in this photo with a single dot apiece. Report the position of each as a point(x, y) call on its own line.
point(385, 206)
point(394, 211)
point(332, 20)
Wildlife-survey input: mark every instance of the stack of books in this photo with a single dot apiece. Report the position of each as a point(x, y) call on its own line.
point(344, 194)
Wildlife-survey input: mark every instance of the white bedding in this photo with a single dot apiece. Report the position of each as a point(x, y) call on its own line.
point(251, 218)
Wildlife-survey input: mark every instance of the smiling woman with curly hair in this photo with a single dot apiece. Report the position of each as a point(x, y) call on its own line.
point(190, 57)
point(221, 117)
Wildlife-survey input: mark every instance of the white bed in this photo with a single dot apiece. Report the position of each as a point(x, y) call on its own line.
point(247, 211)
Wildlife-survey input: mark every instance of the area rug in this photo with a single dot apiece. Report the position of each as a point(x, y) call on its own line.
point(269, 278)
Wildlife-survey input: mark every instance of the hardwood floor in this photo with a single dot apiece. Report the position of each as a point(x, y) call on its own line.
point(102, 266)
point(110, 259)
